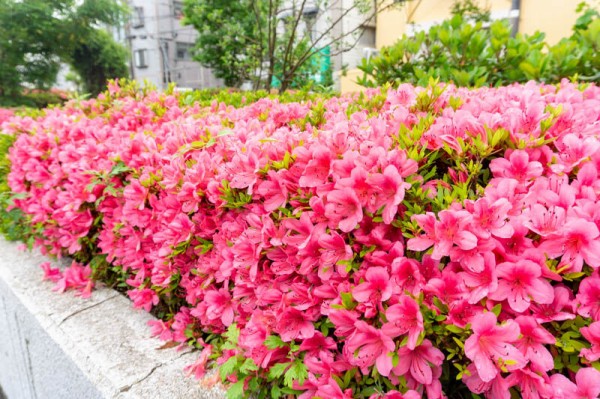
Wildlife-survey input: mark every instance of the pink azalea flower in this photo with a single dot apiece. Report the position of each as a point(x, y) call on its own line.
point(560, 309)
point(51, 273)
point(144, 298)
point(76, 277)
point(576, 242)
point(419, 361)
point(404, 317)
point(531, 384)
point(410, 394)
point(344, 321)
point(497, 388)
point(376, 288)
point(462, 312)
point(482, 283)
point(243, 171)
point(369, 346)
point(452, 230)
point(474, 259)
point(343, 209)
point(592, 334)
point(406, 276)
point(490, 346)
point(587, 387)
point(588, 297)
point(490, 218)
point(318, 168)
point(448, 288)
point(160, 329)
point(219, 306)
point(390, 191)
point(531, 343)
point(517, 167)
point(427, 223)
point(274, 191)
point(332, 390)
point(520, 283)
point(294, 324)
point(198, 368)
point(318, 343)
point(334, 250)
point(544, 221)
point(358, 182)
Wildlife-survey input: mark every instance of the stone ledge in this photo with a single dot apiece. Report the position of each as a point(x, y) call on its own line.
point(62, 346)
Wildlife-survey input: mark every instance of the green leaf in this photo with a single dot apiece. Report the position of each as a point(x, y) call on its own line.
point(348, 300)
point(225, 132)
point(277, 370)
point(236, 391)
point(454, 329)
point(232, 334)
point(228, 368)
point(275, 392)
point(274, 342)
point(248, 366)
point(497, 309)
point(119, 168)
point(297, 372)
point(348, 376)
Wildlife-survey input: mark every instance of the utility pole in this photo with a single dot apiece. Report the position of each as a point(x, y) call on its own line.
point(515, 12)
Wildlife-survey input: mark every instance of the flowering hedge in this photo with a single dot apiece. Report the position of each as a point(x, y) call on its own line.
point(415, 242)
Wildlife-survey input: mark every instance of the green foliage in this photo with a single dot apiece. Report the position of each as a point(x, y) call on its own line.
point(467, 54)
point(238, 98)
point(270, 43)
point(33, 99)
point(229, 40)
point(13, 225)
point(98, 59)
point(471, 10)
point(37, 35)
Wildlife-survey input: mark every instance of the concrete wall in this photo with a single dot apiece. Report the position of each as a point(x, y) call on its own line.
point(55, 346)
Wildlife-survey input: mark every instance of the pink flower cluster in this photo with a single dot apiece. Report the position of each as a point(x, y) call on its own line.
point(391, 252)
point(5, 114)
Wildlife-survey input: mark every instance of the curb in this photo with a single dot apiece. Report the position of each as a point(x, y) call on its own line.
point(62, 346)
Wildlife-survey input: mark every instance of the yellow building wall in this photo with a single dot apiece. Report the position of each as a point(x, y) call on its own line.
point(393, 23)
point(348, 82)
point(553, 17)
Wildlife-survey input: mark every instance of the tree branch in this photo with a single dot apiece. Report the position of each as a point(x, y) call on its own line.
point(290, 44)
point(314, 48)
point(261, 42)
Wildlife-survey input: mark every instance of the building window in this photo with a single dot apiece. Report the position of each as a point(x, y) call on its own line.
point(178, 9)
point(367, 39)
point(138, 17)
point(141, 58)
point(310, 22)
point(183, 51)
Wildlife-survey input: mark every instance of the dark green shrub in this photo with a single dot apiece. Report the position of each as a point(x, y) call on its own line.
point(471, 54)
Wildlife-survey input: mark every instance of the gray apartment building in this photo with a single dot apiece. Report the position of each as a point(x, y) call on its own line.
point(160, 46)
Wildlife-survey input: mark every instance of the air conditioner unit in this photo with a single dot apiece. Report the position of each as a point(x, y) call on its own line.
point(369, 52)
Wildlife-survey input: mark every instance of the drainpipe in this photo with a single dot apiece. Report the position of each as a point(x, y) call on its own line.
point(515, 13)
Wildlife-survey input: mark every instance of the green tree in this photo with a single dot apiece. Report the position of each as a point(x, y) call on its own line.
point(228, 40)
point(98, 59)
point(267, 41)
point(37, 35)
